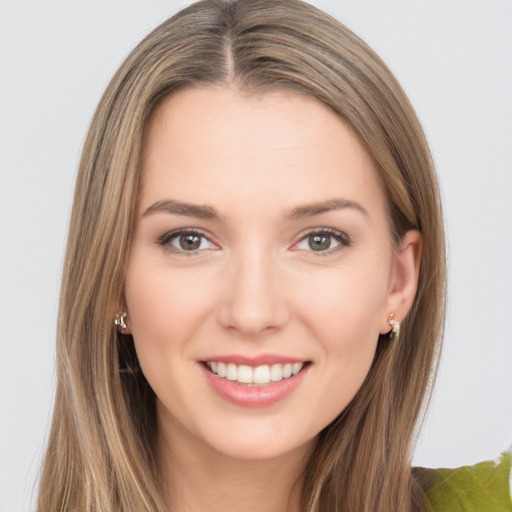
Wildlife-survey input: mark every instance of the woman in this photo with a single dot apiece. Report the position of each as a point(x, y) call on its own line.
point(256, 233)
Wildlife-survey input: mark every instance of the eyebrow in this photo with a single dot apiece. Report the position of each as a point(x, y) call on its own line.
point(324, 206)
point(179, 208)
point(209, 212)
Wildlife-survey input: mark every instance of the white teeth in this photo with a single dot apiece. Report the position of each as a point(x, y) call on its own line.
point(246, 374)
point(261, 375)
point(221, 369)
point(231, 372)
point(276, 372)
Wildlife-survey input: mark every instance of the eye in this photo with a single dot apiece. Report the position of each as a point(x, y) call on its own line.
point(324, 241)
point(185, 242)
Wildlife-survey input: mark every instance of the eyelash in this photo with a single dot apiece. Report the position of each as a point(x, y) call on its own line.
point(342, 238)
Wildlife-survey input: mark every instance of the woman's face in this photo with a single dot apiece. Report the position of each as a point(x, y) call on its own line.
point(262, 248)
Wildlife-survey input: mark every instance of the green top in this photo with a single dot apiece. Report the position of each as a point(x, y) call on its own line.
point(484, 487)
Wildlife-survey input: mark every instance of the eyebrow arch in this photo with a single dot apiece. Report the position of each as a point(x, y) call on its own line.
point(179, 208)
point(324, 206)
point(208, 212)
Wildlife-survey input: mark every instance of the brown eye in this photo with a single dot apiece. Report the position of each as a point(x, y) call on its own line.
point(319, 242)
point(324, 241)
point(189, 242)
point(184, 241)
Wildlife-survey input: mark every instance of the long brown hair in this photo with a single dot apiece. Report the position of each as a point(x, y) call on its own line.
point(100, 454)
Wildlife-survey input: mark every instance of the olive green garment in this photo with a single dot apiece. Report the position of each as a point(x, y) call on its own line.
point(484, 487)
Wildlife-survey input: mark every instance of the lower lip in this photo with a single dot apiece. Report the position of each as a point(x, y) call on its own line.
point(254, 396)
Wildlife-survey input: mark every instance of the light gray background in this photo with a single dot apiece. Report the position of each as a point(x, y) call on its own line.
point(454, 59)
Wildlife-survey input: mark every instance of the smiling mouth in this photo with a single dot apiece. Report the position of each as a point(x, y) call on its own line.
point(256, 376)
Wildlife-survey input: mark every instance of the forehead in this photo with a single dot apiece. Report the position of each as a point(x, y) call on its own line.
point(204, 143)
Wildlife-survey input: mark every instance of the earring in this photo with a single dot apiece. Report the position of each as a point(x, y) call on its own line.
point(395, 326)
point(119, 320)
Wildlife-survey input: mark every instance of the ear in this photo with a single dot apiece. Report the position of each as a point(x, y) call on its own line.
point(403, 280)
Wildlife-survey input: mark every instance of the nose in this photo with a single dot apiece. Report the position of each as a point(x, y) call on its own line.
point(253, 296)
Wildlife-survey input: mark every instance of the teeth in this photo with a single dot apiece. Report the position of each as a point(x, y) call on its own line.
point(245, 374)
point(259, 375)
point(232, 372)
point(276, 372)
point(262, 375)
point(221, 369)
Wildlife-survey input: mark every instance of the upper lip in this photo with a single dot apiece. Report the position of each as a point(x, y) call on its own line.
point(255, 361)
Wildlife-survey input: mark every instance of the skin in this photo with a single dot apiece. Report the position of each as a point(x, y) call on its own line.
point(255, 285)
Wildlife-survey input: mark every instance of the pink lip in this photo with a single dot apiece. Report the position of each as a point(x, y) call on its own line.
point(253, 396)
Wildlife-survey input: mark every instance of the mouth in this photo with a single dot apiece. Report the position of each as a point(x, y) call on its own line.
point(254, 382)
point(255, 375)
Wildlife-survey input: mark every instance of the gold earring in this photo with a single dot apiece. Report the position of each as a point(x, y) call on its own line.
point(395, 326)
point(119, 320)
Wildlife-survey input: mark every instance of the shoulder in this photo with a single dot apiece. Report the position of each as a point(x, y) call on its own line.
point(484, 487)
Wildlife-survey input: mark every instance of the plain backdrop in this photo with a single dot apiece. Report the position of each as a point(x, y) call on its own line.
point(454, 59)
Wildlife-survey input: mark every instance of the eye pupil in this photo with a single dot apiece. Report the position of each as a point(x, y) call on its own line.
point(319, 242)
point(190, 242)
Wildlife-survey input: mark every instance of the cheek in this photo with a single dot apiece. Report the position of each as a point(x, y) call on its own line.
point(343, 315)
point(344, 307)
point(165, 306)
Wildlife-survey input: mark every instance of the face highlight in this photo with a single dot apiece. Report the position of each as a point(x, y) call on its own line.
point(261, 271)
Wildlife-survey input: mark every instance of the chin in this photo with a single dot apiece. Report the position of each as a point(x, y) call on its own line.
point(257, 448)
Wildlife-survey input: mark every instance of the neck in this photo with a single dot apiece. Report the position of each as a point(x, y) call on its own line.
point(201, 479)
